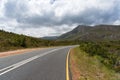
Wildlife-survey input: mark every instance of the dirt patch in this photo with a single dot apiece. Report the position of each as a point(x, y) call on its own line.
point(74, 68)
point(21, 51)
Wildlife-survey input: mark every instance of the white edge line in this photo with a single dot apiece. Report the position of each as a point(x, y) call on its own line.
point(14, 66)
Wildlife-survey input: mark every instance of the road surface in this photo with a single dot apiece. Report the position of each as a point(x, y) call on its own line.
point(47, 64)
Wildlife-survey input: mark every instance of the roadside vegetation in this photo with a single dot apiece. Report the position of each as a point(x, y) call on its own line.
point(86, 67)
point(108, 51)
point(12, 41)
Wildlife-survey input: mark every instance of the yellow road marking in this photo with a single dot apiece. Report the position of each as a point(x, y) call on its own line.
point(67, 68)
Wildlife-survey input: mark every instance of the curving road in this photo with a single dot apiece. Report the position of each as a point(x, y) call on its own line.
point(47, 64)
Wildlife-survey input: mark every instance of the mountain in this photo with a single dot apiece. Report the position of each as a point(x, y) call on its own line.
point(50, 37)
point(98, 32)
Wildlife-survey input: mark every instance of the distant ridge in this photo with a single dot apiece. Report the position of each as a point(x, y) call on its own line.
point(50, 37)
point(98, 32)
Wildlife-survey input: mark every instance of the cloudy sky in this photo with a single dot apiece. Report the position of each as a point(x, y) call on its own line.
point(40, 18)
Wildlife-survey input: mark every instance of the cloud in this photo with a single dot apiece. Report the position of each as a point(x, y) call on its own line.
point(55, 17)
point(15, 8)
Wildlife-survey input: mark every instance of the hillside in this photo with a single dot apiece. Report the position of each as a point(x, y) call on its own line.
point(50, 37)
point(98, 32)
point(11, 41)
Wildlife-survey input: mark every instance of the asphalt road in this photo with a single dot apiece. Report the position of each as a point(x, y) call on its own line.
point(47, 64)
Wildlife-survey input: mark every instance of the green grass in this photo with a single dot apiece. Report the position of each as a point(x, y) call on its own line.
point(91, 68)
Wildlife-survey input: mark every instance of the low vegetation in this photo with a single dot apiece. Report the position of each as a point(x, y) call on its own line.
point(85, 66)
point(12, 41)
point(108, 51)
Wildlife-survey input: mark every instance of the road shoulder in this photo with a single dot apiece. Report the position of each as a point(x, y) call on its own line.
point(19, 51)
point(85, 67)
point(73, 66)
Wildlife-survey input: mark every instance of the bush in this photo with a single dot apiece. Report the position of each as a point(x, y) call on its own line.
point(111, 60)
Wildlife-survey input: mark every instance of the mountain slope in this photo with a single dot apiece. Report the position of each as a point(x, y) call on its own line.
point(50, 37)
point(98, 32)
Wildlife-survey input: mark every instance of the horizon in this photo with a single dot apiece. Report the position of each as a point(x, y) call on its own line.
point(39, 18)
point(65, 32)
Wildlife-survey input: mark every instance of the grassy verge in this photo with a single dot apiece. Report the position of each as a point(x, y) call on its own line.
point(85, 67)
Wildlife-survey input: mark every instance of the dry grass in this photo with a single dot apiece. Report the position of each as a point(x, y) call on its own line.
point(74, 67)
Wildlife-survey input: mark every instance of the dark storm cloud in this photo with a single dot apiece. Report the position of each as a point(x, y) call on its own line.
point(37, 20)
point(93, 16)
point(89, 16)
